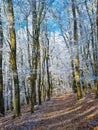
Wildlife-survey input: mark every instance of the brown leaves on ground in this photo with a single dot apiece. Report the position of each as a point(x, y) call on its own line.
point(61, 113)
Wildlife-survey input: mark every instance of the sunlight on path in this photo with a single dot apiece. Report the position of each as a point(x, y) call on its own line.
point(61, 113)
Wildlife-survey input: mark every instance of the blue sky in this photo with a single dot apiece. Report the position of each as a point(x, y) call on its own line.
point(58, 7)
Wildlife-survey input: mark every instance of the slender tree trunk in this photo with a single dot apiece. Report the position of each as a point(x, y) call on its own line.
point(39, 83)
point(47, 67)
point(48, 79)
point(26, 95)
point(77, 73)
point(36, 47)
point(23, 80)
point(33, 82)
point(97, 49)
point(43, 74)
point(7, 102)
point(28, 43)
point(73, 77)
point(11, 96)
point(29, 60)
point(13, 61)
point(1, 74)
point(34, 56)
point(51, 84)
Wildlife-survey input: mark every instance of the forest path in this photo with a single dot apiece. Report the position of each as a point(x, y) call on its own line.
point(61, 113)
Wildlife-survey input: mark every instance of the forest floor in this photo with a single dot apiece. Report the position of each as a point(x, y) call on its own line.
point(61, 113)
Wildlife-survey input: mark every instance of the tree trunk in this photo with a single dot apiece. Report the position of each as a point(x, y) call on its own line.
point(97, 51)
point(33, 82)
point(1, 74)
point(39, 84)
point(77, 73)
point(73, 77)
point(36, 21)
point(43, 74)
point(11, 96)
point(48, 78)
point(13, 61)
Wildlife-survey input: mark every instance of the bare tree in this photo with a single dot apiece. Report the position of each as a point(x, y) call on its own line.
point(13, 61)
point(1, 74)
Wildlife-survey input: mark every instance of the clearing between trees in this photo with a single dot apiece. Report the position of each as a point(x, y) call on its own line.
point(64, 112)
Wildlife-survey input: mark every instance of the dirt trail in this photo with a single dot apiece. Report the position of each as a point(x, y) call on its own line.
point(61, 113)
